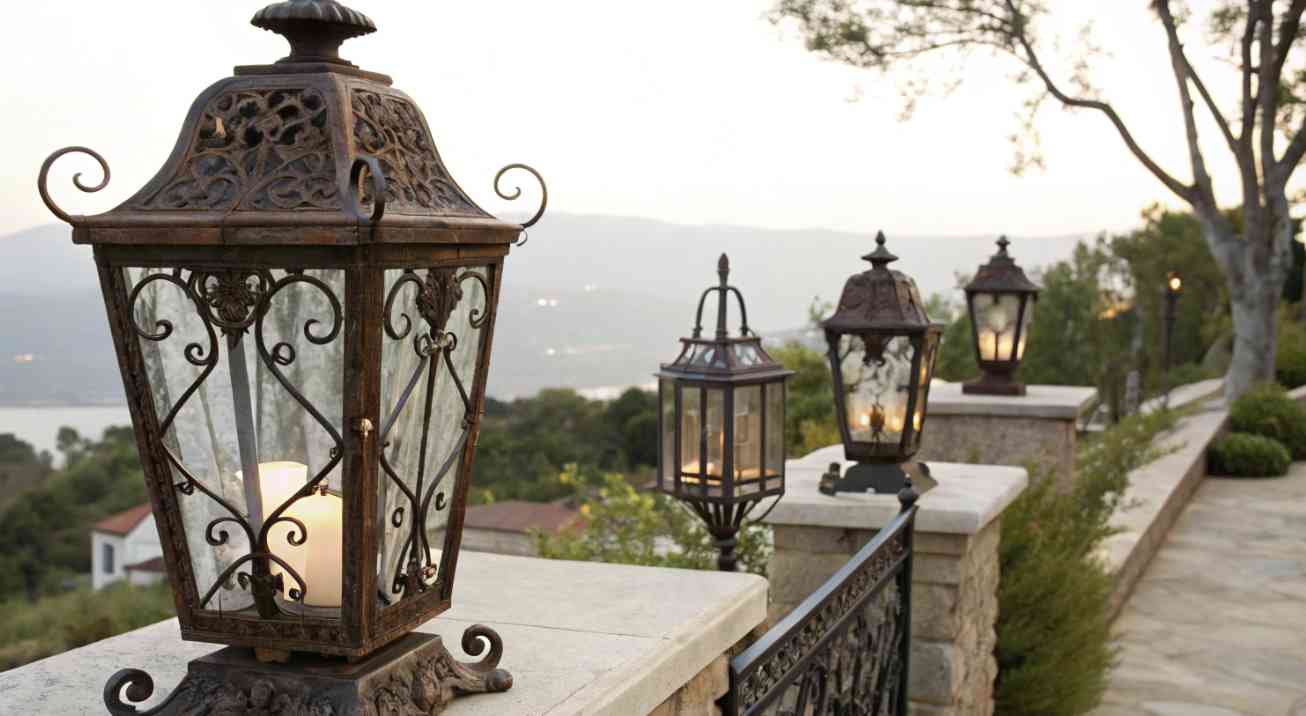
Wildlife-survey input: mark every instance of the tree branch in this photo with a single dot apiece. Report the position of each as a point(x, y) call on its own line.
point(1288, 30)
point(1249, 99)
point(1292, 156)
point(1268, 88)
point(1181, 67)
point(1184, 191)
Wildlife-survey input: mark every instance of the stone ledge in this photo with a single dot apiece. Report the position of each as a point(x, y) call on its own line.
point(1156, 496)
point(966, 499)
point(579, 638)
point(1048, 402)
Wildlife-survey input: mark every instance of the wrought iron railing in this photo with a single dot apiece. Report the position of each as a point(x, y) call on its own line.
point(844, 651)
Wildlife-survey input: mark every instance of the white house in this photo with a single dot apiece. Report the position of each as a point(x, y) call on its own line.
point(126, 546)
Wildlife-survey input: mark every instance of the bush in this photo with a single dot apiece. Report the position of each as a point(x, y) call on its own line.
point(29, 632)
point(1267, 410)
point(1244, 455)
point(1290, 361)
point(1054, 648)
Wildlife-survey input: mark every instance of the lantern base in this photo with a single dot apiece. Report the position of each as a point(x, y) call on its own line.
point(879, 478)
point(994, 385)
point(415, 675)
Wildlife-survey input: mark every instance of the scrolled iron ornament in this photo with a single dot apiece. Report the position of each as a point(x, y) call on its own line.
point(372, 166)
point(516, 194)
point(140, 687)
point(43, 180)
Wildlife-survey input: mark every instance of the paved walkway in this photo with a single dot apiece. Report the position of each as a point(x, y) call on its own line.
point(1217, 625)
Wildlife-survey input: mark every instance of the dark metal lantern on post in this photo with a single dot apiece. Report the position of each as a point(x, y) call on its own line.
point(721, 422)
point(882, 348)
point(1001, 302)
point(302, 302)
point(1174, 288)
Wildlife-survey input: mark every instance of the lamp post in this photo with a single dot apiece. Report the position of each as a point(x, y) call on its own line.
point(882, 348)
point(1174, 288)
point(302, 302)
point(721, 422)
point(1001, 301)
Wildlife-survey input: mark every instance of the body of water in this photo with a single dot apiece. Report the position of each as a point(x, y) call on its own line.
point(40, 425)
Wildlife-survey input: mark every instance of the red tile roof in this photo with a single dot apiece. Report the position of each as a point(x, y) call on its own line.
point(518, 516)
point(123, 522)
point(149, 565)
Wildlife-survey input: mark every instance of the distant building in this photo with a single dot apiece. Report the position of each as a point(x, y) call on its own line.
point(126, 546)
point(505, 527)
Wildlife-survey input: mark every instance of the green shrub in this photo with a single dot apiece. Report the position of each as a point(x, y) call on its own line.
point(1267, 410)
point(32, 631)
point(1244, 455)
point(1290, 361)
point(1054, 648)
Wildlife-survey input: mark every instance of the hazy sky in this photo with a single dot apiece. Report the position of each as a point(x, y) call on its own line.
point(690, 111)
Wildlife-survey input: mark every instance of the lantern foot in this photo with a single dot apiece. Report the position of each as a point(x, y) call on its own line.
point(879, 478)
point(994, 385)
point(414, 675)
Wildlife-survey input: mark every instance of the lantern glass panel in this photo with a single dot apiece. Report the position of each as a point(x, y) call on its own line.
point(691, 433)
point(995, 324)
point(930, 355)
point(748, 438)
point(877, 379)
point(716, 433)
point(245, 367)
point(433, 332)
point(775, 430)
point(667, 391)
point(1026, 320)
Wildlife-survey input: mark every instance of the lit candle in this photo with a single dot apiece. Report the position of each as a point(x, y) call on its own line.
point(319, 561)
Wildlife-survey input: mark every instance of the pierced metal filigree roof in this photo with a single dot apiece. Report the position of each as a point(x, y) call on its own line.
point(307, 150)
point(879, 299)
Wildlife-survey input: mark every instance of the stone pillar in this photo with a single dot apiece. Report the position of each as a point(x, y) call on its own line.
point(1040, 427)
point(954, 578)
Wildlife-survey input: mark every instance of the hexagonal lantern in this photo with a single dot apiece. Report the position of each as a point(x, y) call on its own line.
point(721, 422)
point(302, 302)
point(882, 349)
point(1001, 301)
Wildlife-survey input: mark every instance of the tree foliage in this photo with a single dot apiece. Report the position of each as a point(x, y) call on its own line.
point(1261, 118)
point(44, 532)
point(625, 526)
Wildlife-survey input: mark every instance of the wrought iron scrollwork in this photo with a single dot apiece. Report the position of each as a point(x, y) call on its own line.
point(43, 180)
point(436, 295)
point(234, 301)
point(844, 650)
point(516, 194)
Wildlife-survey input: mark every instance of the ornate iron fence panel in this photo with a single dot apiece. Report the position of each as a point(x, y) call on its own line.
point(844, 650)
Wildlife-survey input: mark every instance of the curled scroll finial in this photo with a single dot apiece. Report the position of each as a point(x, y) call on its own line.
point(42, 182)
point(139, 688)
point(516, 192)
point(374, 171)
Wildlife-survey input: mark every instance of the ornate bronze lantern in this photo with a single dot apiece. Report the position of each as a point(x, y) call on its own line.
point(882, 348)
point(302, 303)
point(1001, 301)
point(721, 422)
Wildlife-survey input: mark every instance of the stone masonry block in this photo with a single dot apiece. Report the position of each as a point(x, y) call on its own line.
point(939, 543)
point(937, 669)
point(816, 540)
point(934, 612)
point(936, 569)
point(796, 575)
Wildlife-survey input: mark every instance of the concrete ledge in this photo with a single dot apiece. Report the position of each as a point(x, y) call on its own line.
point(967, 498)
point(1048, 402)
point(1157, 495)
point(579, 638)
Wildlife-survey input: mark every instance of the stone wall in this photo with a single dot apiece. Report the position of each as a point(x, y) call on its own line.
point(954, 606)
point(700, 695)
point(1001, 440)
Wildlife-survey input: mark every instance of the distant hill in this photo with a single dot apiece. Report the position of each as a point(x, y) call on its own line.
point(589, 301)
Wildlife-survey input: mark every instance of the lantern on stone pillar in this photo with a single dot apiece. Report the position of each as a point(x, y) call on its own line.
point(721, 422)
point(302, 303)
point(1001, 302)
point(882, 349)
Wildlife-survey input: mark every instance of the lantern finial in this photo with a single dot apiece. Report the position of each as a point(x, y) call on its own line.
point(723, 269)
point(881, 256)
point(1003, 243)
point(314, 28)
